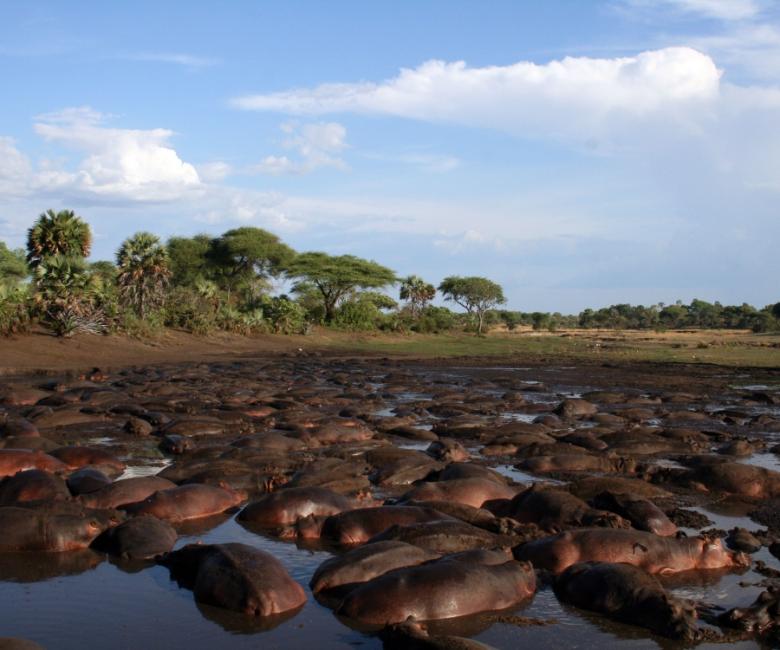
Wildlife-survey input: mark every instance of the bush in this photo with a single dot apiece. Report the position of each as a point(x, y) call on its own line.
point(433, 320)
point(187, 309)
point(15, 311)
point(285, 316)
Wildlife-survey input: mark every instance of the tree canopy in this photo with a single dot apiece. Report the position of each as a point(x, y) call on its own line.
point(60, 233)
point(246, 254)
point(336, 276)
point(143, 271)
point(189, 259)
point(475, 294)
point(417, 292)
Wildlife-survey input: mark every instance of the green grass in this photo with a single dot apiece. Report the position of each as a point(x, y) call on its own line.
point(745, 351)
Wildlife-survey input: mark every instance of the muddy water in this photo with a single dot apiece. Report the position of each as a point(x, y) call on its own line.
point(78, 600)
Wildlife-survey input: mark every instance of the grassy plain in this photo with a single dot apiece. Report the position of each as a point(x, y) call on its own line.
point(41, 352)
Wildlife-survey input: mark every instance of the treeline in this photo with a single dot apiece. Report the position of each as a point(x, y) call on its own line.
point(202, 284)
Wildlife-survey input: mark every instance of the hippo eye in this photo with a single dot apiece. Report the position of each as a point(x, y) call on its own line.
point(93, 524)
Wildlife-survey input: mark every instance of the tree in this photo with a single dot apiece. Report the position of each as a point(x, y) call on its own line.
point(61, 233)
point(475, 294)
point(417, 292)
point(190, 259)
point(13, 266)
point(143, 272)
point(336, 277)
point(244, 255)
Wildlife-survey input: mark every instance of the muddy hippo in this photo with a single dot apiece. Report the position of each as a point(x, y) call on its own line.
point(642, 513)
point(186, 502)
point(627, 594)
point(439, 536)
point(237, 577)
point(77, 457)
point(577, 463)
point(32, 530)
point(86, 481)
point(654, 554)
point(125, 492)
point(448, 450)
point(359, 525)
point(18, 460)
point(554, 510)
point(365, 563)
point(284, 508)
point(32, 485)
point(760, 617)
point(454, 586)
point(139, 538)
point(475, 492)
point(738, 478)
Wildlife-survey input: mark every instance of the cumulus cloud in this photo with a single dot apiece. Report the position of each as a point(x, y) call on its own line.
point(133, 164)
point(15, 169)
point(572, 97)
point(315, 144)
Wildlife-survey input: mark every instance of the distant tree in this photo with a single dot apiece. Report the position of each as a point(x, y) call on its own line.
point(336, 277)
point(475, 294)
point(775, 309)
point(417, 292)
point(61, 233)
point(245, 255)
point(189, 259)
point(13, 266)
point(143, 272)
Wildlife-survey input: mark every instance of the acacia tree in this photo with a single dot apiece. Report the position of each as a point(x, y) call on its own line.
point(190, 259)
point(417, 292)
point(336, 277)
point(244, 256)
point(60, 233)
point(475, 294)
point(143, 272)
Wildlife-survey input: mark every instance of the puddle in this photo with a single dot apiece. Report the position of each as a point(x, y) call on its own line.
point(522, 477)
point(134, 471)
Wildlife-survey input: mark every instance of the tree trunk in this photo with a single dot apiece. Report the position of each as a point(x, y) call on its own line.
point(480, 316)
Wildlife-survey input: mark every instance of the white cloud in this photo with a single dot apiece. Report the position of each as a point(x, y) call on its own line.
point(15, 169)
point(427, 162)
point(133, 164)
point(576, 98)
point(214, 171)
point(185, 60)
point(315, 144)
point(719, 9)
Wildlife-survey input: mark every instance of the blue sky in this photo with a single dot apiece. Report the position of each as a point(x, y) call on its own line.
point(579, 153)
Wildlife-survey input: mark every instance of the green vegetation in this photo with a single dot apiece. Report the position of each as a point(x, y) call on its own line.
point(203, 284)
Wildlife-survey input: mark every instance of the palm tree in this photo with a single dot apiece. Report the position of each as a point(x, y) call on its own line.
point(61, 233)
point(143, 272)
point(417, 292)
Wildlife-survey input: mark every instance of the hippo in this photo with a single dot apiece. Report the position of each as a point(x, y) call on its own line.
point(237, 577)
point(18, 427)
point(642, 513)
point(411, 635)
point(577, 463)
point(737, 478)
point(77, 457)
point(279, 510)
point(654, 554)
point(18, 460)
point(627, 594)
point(37, 530)
point(365, 563)
point(359, 525)
point(86, 481)
point(471, 470)
point(439, 536)
point(394, 466)
point(139, 538)
point(448, 450)
point(186, 502)
point(32, 485)
point(554, 510)
point(453, 586)
point(760, 617)
point(475, 492)
point(125, 491)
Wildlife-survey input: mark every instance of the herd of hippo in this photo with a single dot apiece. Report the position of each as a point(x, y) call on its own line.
point(440, 493)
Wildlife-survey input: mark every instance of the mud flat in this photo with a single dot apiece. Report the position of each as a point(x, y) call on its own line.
point(324, 484)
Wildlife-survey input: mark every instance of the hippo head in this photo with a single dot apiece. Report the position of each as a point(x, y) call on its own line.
point(679, 619)
point(714, 556)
